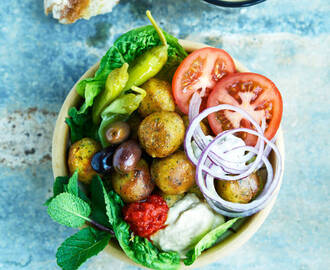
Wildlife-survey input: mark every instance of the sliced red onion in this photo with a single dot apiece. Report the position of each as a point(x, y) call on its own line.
point(211, 165)
point(200, 138)
point(201, 116)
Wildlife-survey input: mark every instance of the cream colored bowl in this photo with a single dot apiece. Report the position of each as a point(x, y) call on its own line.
point(229, 245)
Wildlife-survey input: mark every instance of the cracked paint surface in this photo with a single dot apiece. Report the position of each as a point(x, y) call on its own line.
point(40, 60)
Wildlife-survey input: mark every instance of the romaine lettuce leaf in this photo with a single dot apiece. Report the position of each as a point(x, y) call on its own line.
point(207, 241)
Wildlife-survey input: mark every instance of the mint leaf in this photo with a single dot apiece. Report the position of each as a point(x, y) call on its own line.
point(69, 210)
point(79, 247)
point(73, 187)
point(207, 241)
point(114, 204)
point(98, 202)
point(59, 186)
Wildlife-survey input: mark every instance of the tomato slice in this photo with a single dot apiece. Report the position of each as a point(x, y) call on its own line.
point(252, 92)
point(200, 71)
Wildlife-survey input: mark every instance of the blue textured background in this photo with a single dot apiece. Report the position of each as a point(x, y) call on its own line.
point(40, 59)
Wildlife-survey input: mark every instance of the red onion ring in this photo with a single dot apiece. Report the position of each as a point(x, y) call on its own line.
point(195, 123)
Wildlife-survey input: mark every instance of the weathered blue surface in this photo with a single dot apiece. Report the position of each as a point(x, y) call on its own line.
point(41, 59)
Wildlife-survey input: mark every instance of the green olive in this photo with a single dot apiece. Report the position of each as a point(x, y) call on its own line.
point(117, 132)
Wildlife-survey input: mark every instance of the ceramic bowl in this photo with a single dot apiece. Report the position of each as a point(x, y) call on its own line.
point(227, 246)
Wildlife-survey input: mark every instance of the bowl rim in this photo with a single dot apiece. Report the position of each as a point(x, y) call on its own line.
point(215, 253)
point(234, 4)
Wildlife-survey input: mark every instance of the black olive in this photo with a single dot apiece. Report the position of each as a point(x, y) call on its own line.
point(102, 161)
point(96, 162)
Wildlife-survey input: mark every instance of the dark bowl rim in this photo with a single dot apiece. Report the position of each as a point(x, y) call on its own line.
point(245, 3)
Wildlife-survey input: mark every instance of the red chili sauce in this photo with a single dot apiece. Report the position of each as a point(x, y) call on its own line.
point(146, 218)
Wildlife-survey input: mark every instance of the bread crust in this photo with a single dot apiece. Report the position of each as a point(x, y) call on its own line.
point(68, 11)
point(73, 12)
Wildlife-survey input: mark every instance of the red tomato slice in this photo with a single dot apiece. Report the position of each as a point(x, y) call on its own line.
point(252, 92)
point(200, 71)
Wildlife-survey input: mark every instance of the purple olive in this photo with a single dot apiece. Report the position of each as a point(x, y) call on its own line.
point(126, 157)
point(117, 132)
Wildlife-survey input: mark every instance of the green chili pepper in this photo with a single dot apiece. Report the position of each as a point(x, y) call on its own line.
point(146, 66)
point(114, 85)
point(150, 63)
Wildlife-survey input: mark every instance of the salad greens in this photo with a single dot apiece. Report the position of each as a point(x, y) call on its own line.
point(207, 241)
point(139, 249)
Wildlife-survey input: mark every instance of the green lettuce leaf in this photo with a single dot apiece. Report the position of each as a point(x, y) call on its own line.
point(79, 247)
point(81, 125)
point(207, 241)
point(125, 50)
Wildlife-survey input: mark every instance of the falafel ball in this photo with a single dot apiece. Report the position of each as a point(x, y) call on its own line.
point(174, 174)
point(159, 97)
point(80, 157)
point(239, 191)
point(161, 133)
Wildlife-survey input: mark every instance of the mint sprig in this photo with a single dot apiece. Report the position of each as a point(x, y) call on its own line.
point(79, 247)
point(67, 184)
